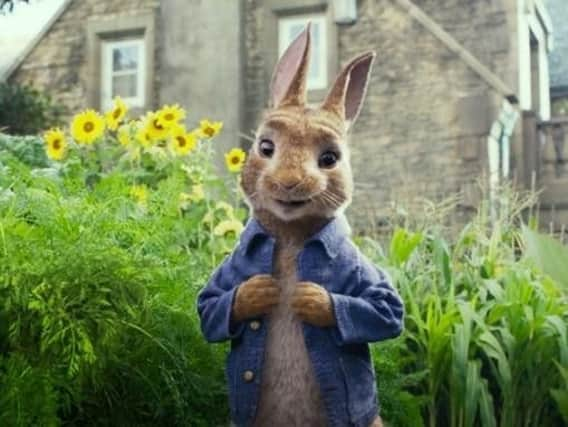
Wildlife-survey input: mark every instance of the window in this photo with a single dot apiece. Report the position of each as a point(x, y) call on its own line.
point(123, 72)
point(120, 60)
point(289, 27)
point(534, 45)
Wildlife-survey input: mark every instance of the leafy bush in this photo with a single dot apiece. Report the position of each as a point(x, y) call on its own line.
point(28, 149)
point(98, 284)
point(561, 395)
point(484, 324)
point(25, 110)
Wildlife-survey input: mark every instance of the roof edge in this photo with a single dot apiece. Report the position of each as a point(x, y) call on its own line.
point(490, 78)
point(34, 42)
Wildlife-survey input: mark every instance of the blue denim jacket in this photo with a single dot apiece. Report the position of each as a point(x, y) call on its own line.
point(366, 307)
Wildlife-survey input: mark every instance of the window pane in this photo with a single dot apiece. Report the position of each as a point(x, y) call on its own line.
point(314, 72)
point(124, 58)
point(124, 86)
point(295, 29)
point(290, 28)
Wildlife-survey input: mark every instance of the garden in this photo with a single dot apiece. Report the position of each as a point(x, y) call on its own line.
point(111, 226)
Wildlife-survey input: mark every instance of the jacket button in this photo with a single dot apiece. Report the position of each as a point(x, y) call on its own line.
point(248, 376)
point(254, 325)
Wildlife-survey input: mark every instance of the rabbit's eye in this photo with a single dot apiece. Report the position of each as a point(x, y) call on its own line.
point(266, 148)
point(328, 159)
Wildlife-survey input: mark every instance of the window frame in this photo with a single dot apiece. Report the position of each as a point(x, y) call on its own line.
point(136, 26)
point(534, 23)
point(107, 73)
point(276, 9)
point(319, 19)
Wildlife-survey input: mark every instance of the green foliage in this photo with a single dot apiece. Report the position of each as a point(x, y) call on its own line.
point(28, 396)
point(98, 286)
point(102, 257)
point(402, 245)
point(25, 110)
point(28, 149)
point(561, 395)
point(399, 407)
point(482, 321)
point(548, 254)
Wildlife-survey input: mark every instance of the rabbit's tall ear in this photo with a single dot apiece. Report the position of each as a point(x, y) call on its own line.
point(288, 85)
point(347, 93)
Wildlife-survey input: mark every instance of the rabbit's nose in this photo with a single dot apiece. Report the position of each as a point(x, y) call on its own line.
point(290, 185)
point(287, 180)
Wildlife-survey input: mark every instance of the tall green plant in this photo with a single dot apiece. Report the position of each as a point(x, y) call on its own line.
point(484, 322)
point(560, 395)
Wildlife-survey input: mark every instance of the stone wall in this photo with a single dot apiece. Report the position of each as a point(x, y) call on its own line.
point(416, 137)
point(59, 62)
point(200, 63)
point(255, 79)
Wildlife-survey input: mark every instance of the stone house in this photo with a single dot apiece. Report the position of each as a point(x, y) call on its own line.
point(558, 10)
point(459, 91)
point(551, 135)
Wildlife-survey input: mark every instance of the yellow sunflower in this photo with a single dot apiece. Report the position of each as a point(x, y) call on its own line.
point(224, 206)
point(170, 115)
point(182, 141)
point(208, 218)
point(155, 130)
point(55, 144)
point(143, 136)
point(116, 114)
point(228, 226)
point(209, 129)
point(235, 159)
point(197, 194)
point(87, 127)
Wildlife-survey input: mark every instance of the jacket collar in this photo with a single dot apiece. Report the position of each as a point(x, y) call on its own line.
point(253, 233)
point(329, 237)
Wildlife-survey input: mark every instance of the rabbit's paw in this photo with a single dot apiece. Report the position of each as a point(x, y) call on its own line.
point(312, 304)
point(255, 297)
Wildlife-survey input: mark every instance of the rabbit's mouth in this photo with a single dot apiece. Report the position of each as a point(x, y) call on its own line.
point(292, 203)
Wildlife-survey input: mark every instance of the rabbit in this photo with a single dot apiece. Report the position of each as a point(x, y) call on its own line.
point(296, 298)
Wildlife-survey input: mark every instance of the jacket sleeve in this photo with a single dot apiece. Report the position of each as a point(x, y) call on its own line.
point(372, 311)
point(215, 303)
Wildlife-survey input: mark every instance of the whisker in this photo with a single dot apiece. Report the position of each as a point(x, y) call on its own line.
point(340, 197)
point(328, 200)
point(332, 197)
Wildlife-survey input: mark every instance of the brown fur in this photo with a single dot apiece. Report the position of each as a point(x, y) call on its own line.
point(289, 394)
point(257, 296)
